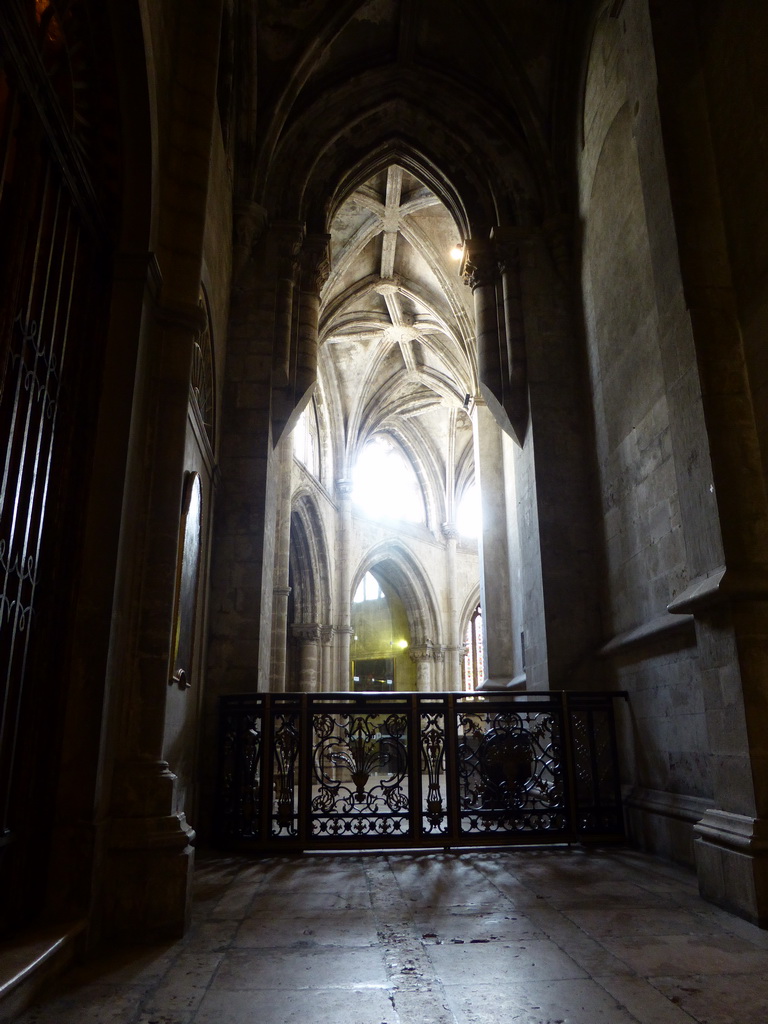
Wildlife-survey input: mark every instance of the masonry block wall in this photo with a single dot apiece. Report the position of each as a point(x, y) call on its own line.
point(649, 652)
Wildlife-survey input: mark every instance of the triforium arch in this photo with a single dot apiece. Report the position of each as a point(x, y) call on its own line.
point(310, 633)
point(310, 563)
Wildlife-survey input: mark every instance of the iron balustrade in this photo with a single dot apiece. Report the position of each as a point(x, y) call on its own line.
point(335, 770)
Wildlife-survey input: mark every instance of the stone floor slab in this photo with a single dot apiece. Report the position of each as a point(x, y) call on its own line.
point(572, 1002)
point(299, 969)
point(289, 1006)
point(483, 937)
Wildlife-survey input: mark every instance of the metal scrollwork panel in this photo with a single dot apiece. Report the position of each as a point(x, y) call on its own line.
point(595, 772)
point(510, 772)
point(240, 778)
point(285, 766)
point(434, 817)
point(359, 768)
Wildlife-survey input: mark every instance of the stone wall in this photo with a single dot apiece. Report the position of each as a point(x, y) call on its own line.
point(640, 456)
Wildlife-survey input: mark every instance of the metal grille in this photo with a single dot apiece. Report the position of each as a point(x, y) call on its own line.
point(313, 771)
point(54, 266)
point(29, 411)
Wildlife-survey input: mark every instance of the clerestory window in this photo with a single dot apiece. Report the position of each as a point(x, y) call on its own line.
point(384, 483)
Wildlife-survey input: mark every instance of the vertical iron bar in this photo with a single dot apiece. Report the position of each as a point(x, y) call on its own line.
point(569, 766)
point(594, 766)
point(267, 766)
point(452, 782)
point(615, 756)
point(413, 752)
point(306, 737)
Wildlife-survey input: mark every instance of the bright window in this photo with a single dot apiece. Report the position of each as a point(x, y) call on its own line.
point(469, 513)
point(368, 590)
point(384, 483)
point(305, 446)
point(474, 661)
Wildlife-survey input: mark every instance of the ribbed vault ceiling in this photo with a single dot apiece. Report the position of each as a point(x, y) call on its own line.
point(396, 323)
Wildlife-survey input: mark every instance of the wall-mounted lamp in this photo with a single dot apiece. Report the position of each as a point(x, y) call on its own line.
point(457, 251)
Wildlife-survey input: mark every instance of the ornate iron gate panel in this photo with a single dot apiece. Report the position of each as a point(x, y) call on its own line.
point(313, 771)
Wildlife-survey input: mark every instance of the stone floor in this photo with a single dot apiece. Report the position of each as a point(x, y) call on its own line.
point(555, 936)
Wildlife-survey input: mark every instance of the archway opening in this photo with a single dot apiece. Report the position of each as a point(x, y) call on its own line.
point(396, 364)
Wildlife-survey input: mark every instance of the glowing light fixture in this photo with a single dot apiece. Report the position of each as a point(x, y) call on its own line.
point(457, 251)
point(402, 644)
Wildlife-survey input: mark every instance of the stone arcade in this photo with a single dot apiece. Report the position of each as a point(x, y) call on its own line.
point(225, 234)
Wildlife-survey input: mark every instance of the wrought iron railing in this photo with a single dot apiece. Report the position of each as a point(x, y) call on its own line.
point(307, 771)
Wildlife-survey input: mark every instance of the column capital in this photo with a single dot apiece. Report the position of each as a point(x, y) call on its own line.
point(421, 653)
point(249, 220)
point(507, 242)
point(344, 487)
point(478, 265)
point(426, 652)
point(281, 591)
point(306, 632)
point(285, 239)
point(326, 634)
point(449, 531)
point(315, 262)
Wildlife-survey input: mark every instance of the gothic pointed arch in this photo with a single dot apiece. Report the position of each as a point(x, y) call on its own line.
point(310, 571)
point(393, 563)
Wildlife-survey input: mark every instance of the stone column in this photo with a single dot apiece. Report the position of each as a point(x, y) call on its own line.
point(285, 239)
point(281, 590)
point(439, 682)
point(480, 271)
point(148, 856)
point(344, 601)
point(557, 493)
point(315, 267)
point(327, 682)
point(421, 656)
point(493, 549)
point(308, 636)
point(516, 382)
point(454, 647)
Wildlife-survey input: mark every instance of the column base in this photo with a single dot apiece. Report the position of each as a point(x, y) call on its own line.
point(148, 879)
point(148, 857)
point(732, 863)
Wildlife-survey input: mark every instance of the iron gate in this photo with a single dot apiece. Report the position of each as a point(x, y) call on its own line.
point(334, 770)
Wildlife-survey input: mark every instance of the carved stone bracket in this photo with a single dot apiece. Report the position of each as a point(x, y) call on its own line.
point(315, 262)
point(249, 220)
point(285, 240)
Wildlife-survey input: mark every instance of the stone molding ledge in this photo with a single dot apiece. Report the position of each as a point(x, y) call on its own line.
point(648, 634)
point(736, 832)
point(685, 808)
point(720, 587)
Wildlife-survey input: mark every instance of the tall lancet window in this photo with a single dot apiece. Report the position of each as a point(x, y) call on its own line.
point(305, 441)
point(474, 661)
